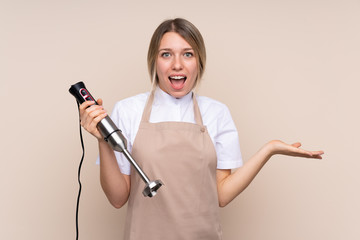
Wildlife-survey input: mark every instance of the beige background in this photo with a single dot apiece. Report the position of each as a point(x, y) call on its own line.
point(286, 69)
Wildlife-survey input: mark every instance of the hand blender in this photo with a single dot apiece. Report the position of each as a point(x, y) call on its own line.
point(114, 137)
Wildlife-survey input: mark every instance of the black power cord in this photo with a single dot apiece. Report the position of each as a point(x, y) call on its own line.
point(79, 170)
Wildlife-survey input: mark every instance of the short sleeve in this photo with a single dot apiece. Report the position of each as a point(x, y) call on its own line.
point(227, 142)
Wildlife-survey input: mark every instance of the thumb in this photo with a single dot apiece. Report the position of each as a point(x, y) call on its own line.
point(297, 145)
point(100, 101)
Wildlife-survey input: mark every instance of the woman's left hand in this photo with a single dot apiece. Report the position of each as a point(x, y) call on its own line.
point(230, 184)
point(279, 147)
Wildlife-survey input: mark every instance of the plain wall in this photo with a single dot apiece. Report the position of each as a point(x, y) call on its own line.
point(287, 70)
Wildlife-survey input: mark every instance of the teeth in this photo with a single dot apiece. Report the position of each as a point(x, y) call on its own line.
point(177, 77)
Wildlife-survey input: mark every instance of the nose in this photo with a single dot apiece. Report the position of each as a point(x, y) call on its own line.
point(177, 63)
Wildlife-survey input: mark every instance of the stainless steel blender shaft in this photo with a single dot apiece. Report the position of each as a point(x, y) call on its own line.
point(117, 142)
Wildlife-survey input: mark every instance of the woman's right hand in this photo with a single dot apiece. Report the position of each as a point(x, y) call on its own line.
point(91, 115)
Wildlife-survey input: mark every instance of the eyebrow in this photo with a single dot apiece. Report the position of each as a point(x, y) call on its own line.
point(169, 49)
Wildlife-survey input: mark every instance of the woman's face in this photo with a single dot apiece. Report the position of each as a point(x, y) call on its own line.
point(176, 65)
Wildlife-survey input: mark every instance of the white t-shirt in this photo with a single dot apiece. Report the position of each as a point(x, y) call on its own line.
point(216, 117)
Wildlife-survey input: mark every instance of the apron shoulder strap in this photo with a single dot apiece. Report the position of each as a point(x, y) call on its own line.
point(147, 110)
point(197, 113)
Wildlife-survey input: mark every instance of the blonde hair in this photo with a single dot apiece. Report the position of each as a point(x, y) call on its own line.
point(186, 30)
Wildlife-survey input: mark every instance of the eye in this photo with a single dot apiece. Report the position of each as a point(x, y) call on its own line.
point(188, 54)
point(165, 54)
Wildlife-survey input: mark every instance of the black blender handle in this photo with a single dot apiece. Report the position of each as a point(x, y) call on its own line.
point(79, 91)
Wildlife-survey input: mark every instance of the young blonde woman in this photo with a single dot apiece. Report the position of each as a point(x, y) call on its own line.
point(189, 142)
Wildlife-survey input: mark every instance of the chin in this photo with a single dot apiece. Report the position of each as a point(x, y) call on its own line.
point(177, 94)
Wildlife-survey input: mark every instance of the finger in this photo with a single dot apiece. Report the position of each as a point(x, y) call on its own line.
point(96, 120)
point(303, 153)
point(294, 150)
point(87, 115)
point(95, 113)
point(86, 104)
point(313, 154)
point(90, 113)
point(100, 101)
point(297, 144)
point(306, 152)
point(317, 154)
point(93, 108)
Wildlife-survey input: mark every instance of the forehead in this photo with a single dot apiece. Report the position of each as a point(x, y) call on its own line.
point(173, 40)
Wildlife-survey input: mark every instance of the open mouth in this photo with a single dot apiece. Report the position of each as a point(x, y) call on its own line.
point(177, 81)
